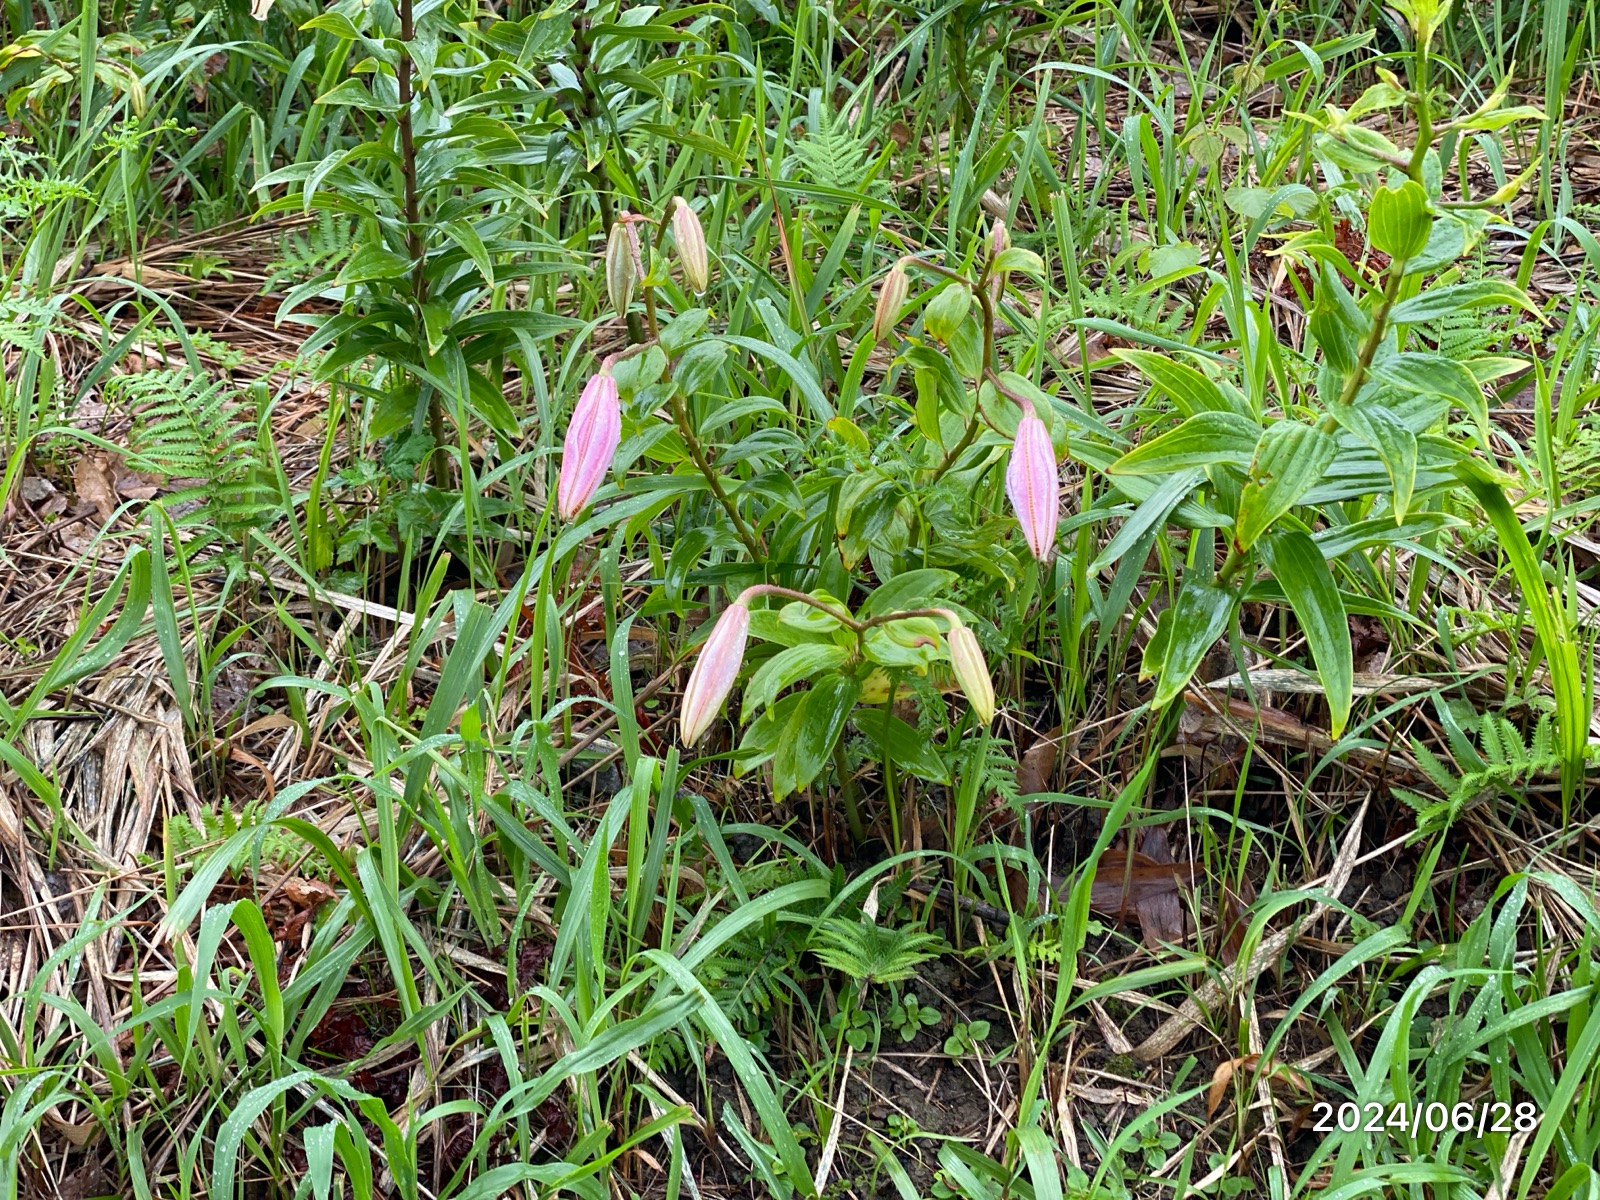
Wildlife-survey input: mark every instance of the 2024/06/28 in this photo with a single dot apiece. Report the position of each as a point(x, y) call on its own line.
point(1465, 1117)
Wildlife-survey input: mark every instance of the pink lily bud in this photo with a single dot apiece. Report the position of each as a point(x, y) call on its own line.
point(592, 438)
point(972, 673)
point(1033, 485)
point(621, 273)
point(999, 239)
point(892, 295)
point(691, 239)
point(714, 673)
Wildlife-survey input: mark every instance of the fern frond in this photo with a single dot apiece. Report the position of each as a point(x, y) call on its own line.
point(199, 432)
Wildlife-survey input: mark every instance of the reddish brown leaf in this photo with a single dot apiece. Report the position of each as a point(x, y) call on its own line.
point(1038, 764)
point(1234, 920)
point(1161, 915)
point(1223, 1075)
point(1122, 880)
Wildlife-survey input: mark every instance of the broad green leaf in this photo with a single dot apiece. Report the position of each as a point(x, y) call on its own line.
point(1255, 203)
point(966, 346)
point(334, 22)
point(356, 94)
point(909, 589)
point(1379, 531)
point(1015, 258)
point(902, 744)
point(678, 333)
point(767, 625)
point(1435, 375)
point(947, 310)
point(373, 262)
point(1398, 222)
point(1337, 321)
point(1150, 512)
point(1203, 440)
point(1289, 459)
point(910, 645)
point(1395, 445)
point(797, 614)
point(763, 735)
point(1196, 620)
point(1191, 390)
point(698, 367)
point(809, 739)
point(1447, 301)
point(786, 668)
point(1297, 564)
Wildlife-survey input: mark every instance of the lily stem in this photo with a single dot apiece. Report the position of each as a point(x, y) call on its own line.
point(752, 541)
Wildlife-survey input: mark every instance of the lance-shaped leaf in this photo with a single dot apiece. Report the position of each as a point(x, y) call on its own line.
point(1296, 562)
point(1205, 439)
point(1196, 619)
point(1395, 444)
point(1190, 389)
point(1289, 460)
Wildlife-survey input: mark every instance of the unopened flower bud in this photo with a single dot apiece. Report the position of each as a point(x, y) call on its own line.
point(892, 294)
point(1033, 484)
point(691, 239)
point(621, 273)
point(946, 311)
point(714, 673)
point(972, 673)
point(591, 443)
point(999, 239)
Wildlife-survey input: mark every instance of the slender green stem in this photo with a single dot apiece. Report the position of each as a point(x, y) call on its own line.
point(958, 449)
point(847, 794)
point(415, 246)
point(1424, 110)
point(986, 304)
point(752, 541)
point(1369, 345)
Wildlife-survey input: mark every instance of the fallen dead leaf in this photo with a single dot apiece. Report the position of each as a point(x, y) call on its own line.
point(1122, 880)
point(93, 480)
point(1162, 919)
point(1223, 1075)
point(1234, 920)
point(1039, 763)
point(1226, 1072)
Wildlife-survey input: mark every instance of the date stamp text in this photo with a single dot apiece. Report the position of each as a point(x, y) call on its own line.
point(1464, 1117)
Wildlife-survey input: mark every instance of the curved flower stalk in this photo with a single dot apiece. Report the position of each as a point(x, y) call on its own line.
point(593, 435)
point(1033, 483)
point(722, 654)
point(714, 671)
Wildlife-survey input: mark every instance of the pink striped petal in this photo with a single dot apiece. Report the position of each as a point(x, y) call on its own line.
point(714, 673)
point(1033, 485)
point(592, 439)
